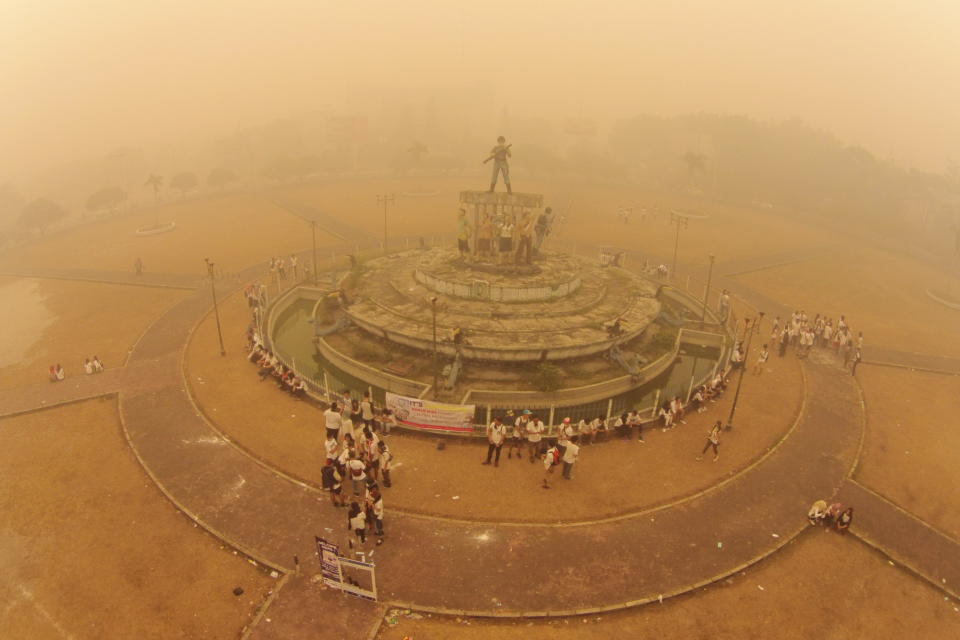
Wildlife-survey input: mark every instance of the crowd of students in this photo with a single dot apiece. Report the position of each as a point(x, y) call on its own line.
point(820, 332)
point(356, 452)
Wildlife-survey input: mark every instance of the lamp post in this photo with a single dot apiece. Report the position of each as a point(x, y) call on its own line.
point(216, 310)
point(313, 231)
point(678, 219)
point(433, 308)
point(385, 200)
point(749, 330)
point(706, 296)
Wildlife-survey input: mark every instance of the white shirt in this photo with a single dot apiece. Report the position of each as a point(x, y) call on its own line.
point(366, 410)
point(534, 430)
point(88, 368)
point(496, 432)
point(331, 448)
point(332, 419)
point(346, 426)
point(571, 453)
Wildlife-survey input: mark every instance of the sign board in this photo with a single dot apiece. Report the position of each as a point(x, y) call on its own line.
point(329, 555)
point(431, 415)
point(354, 577)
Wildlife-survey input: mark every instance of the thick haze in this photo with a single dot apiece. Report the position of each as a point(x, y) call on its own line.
point(83, 78)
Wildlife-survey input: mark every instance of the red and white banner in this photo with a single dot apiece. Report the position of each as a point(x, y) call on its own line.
point(430, 415)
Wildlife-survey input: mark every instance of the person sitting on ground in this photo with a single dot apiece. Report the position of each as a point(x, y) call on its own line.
point(832, 513)
point(53, 373)
point(583, 430)
point(59, 372)
point(615, 328)
point(817, 512)
point(97, 365)
point(297, 388)
point(620, 426)
point(599, 428)
point(667, 416)
point(88, 367)
point(844, 520)
point(679, 413)
point(698, 399)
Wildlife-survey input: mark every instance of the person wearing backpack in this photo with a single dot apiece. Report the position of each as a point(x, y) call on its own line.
point(550, 459)
point(332, 480)
point(495, 435)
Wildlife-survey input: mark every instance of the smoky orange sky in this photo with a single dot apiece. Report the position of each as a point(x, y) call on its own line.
point(81, 78)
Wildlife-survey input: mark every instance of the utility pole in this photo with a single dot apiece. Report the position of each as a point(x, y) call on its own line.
point(706, 296)
point(216, 310)
point(385, 200)
point(433, 308)
point(680, 220)
point(313, 230)
point(748, 331)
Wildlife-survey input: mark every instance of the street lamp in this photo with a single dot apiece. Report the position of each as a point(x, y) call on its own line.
point(748, 334)
point(216, 310)
point(313, 230)
point(678, 219)
point(706, 296)
point(385, 200)
point(433, 308)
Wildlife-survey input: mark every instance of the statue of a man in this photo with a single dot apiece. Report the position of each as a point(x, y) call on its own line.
point(500, 155)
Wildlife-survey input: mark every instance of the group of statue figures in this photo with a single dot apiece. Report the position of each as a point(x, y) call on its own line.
point(503, 232)
point(503, 237)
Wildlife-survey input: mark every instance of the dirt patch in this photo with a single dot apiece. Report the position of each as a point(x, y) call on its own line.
point(821, 586)
point(87, 319)
point(610, 478)
point(910, 453)
point(234, 231)
point(89, 548)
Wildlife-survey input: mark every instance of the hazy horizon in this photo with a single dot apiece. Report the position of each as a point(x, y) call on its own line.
point(83, 79)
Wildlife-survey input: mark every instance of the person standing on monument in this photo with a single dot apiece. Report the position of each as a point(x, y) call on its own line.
point(463, 233)
point(506, 242)
point(500, 154)
point(485, 236)
point(525, 243)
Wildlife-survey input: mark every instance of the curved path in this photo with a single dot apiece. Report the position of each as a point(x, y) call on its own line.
point(448, 565)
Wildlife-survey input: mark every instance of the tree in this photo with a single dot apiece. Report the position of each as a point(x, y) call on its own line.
point(40, 213)
point(696, 162)
point(183, 182)
point(221, 177)
point(108, 198)
point(156, 182)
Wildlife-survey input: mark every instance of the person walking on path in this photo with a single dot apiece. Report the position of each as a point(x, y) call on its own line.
point(856, 360)
point(496, 432)
point(713, 440)
point(570, 455)
point(550, 459)
point(138, 267)
point(761, 361)
point(332, 419)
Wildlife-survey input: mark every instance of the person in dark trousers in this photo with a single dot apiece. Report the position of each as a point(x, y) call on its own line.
point(385, 459)
point(357, 521)
point(856, 360)
point(713, 440)
point(844, 520)
point(496, 432)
